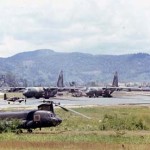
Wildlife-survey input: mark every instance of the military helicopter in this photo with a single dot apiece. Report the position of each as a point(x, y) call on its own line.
point(43, 117)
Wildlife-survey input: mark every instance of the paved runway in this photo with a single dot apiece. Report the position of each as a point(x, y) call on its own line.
point(82, 101)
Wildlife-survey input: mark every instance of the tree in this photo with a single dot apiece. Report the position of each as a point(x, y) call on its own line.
point(11, 80)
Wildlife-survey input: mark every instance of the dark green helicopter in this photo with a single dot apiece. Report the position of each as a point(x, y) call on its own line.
point(43, 117)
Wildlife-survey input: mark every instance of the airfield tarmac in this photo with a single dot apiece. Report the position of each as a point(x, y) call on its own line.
point(119, 98)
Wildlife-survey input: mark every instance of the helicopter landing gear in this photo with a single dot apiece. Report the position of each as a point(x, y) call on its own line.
point(29, 131)
point(19, 131)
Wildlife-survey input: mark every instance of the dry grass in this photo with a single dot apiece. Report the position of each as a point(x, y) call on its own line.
point(17, 145)
point(77, 133)
point(12, 94)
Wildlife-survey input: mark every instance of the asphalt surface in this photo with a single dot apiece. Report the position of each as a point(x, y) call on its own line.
point(81, 101)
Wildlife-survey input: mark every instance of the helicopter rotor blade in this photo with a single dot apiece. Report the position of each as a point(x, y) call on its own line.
point(71, 110)
point(65, 109)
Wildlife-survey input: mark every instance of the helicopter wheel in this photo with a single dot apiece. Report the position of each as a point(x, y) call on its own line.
point(19, 131)
point(29, 131)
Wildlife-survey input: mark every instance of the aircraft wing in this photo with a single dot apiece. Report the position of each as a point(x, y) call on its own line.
point(125, 88)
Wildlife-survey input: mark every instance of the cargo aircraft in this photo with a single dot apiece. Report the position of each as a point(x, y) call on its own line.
point(47, 92)
point(103, 91)
point(108, 90)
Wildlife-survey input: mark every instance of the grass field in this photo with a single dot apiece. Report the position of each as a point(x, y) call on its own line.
point(78, 133)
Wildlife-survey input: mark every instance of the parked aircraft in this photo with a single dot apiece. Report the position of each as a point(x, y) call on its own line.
point(40, 92)
point(44, 92)
point(103, 91)
point(108, 90)
point(41, 118)
point(47, 92)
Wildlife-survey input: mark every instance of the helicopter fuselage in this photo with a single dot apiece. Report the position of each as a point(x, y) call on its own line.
point(33, 119)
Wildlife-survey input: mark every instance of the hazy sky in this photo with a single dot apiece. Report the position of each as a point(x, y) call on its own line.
point(92, 26)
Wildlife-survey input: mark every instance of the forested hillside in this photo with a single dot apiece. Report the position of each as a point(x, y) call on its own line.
point(41, 67)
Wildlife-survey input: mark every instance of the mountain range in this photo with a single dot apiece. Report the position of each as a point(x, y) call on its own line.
point(42, 67)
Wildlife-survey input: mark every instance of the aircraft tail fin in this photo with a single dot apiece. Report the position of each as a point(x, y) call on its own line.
point(115, 80)
point(60, 81)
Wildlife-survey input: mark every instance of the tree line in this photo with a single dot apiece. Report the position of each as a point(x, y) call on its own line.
point(11, 80)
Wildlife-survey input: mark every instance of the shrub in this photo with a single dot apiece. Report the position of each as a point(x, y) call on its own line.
point(9, 125)
point(110, 122)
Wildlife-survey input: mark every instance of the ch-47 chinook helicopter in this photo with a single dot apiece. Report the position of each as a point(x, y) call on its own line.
point(43, 117)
